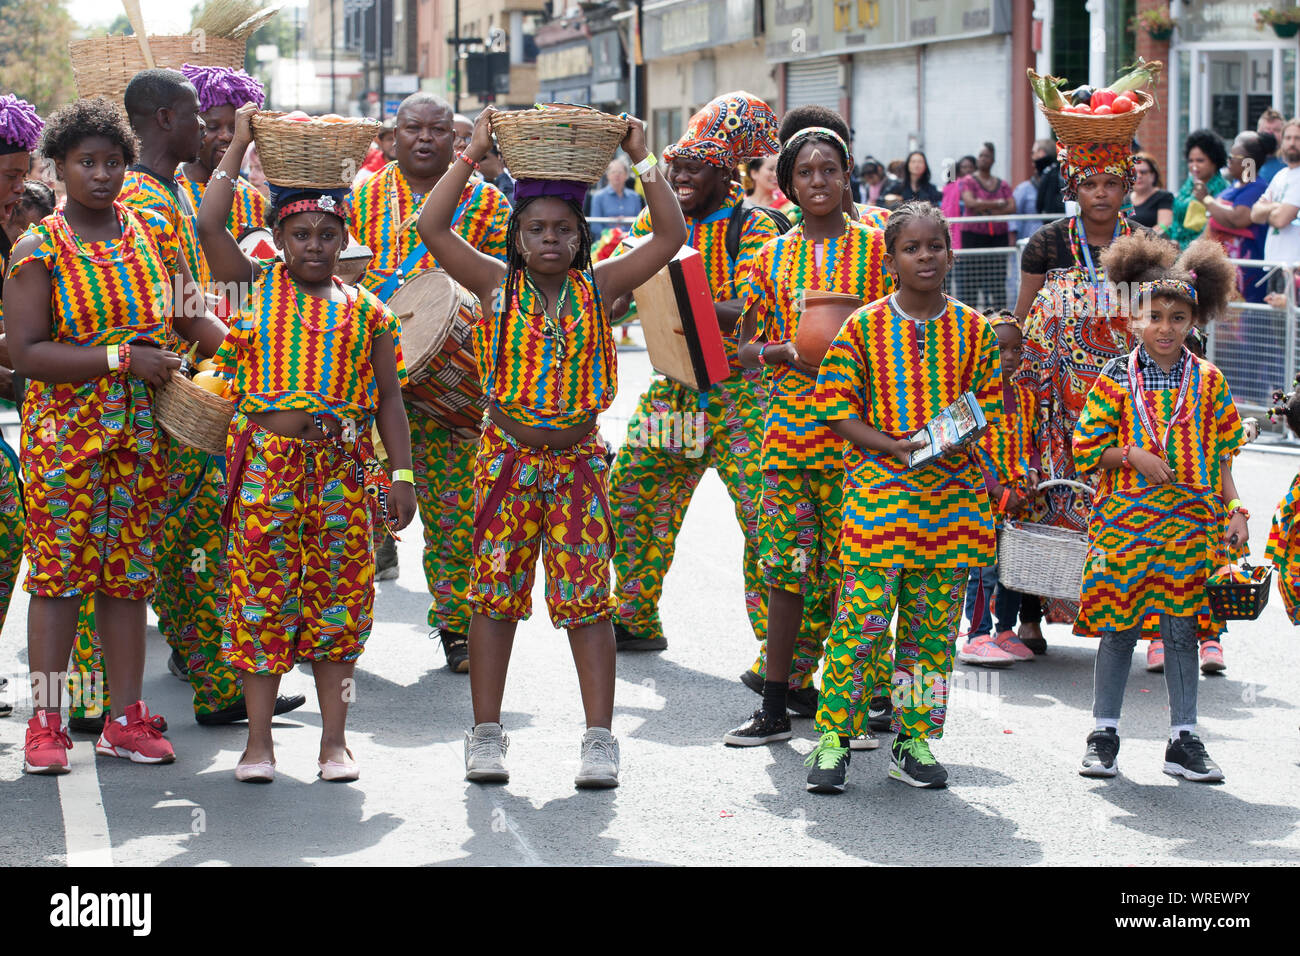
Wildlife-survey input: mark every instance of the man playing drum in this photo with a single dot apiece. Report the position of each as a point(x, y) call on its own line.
point(385, 221)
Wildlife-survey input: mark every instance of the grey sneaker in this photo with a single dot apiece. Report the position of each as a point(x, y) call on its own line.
point(386, 558)
point(485, 754)
point(599, 760)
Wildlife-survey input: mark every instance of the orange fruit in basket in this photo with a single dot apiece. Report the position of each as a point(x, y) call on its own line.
point(298, 116)
point(211, 382)
point(332, 118)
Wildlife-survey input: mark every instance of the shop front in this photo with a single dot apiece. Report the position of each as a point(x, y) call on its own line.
point(1224, 72)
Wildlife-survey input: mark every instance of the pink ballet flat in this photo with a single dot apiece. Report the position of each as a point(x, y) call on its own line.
point(261, 772)
point(336, 771)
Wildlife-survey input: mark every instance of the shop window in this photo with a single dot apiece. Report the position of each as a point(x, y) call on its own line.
point(1071, 28)
point(1121, 42)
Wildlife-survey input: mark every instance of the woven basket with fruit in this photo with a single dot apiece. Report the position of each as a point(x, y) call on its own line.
point(1087, 115)
point(196, 406)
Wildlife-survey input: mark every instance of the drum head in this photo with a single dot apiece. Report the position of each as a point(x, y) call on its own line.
point(426, 306)
point(258, 244)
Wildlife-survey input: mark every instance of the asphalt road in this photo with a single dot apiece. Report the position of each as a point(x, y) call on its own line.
point(1012, 744)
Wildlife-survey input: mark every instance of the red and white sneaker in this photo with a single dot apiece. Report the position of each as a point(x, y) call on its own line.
point(46, 749)
point(139, 739)
point(1156, 656)
point(1212, 657)
point(1008, 641)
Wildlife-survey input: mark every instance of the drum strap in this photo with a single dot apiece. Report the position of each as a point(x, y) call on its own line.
point(412, 260)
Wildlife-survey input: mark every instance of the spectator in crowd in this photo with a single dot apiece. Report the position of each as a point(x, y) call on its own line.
point(494, 171)
point(950, 203)
point(1205, 155)
point(916, 183)
point(1230, 211)
point(1278, 207)
point(1025, 196)
point(897, 170)
point(36, 203)
point(1051, 189)
point(765, 191)
point(463, 128)
point(1271, 122)
point(881, 188)
point(1153, 206)
point(980, 281)
point(616, 201)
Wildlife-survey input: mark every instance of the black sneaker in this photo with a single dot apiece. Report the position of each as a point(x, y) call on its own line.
point(762, 728)
point(625, 640)
point(1186, 757)
point(915, 765)
point(456, 647)
point(880, 713)
point(6, 708)
point(1100, 758)
point(753, 681)
point(830, 765)
point(239, 710)
point(802, 702)
point(1036, 644)
point(177, 665)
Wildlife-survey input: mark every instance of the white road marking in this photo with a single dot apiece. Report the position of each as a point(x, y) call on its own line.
point(85, 827)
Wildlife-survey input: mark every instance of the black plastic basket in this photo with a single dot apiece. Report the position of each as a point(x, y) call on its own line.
point(1236, 600)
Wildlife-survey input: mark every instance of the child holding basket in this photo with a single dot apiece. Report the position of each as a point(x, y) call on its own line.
point(1161, 427)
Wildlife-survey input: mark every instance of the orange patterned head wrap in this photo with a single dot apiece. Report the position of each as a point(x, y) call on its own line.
point(732, 127)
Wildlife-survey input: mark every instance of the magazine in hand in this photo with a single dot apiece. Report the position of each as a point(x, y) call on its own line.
point(961, 423)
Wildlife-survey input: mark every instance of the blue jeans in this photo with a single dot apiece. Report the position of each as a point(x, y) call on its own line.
point(998, 601)
point(1115, 655)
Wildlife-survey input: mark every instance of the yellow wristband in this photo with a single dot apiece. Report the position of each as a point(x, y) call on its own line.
point(1234, 504)
point(647, 164)
point(114, 360)
point(404, 474)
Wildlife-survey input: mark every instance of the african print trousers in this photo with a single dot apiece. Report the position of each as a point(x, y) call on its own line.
point(674, 436)
point(553, 502)
point(11, 526)
point(929, 605)
point(300, 554)
point(444, 491)
point(190, 596)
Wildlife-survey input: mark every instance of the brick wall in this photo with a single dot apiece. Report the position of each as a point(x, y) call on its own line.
point(1153, 134)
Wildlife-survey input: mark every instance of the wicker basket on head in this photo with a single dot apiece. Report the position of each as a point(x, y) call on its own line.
point(311, 154)
point(103, 66)
point(1079, 128)
point(193, 415)
point(1043, 560)
point(558, 141)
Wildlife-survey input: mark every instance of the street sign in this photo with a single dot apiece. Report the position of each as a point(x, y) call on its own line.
point(391, 103)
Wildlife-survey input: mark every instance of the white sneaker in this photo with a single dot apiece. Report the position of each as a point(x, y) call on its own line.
point(485, 754)
point(599, 760)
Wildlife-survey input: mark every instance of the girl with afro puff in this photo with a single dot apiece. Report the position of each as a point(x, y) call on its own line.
point(1161, 427)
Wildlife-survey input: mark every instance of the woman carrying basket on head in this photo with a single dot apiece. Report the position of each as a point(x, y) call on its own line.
point(1160, 428)
point(1072, 330)
point(547, 362)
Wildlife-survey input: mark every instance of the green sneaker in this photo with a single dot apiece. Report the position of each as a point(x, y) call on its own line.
point(915, 765)
point(830, 764)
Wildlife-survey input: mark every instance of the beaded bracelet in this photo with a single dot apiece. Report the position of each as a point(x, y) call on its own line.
point(473, 165)
point(124, 357)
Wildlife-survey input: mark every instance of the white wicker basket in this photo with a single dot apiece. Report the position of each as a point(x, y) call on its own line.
point(1042, 560)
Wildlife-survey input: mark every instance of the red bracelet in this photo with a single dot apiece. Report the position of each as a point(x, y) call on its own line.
point(1124, 460)
point(762, 359)
point(124, 357)
point(1006, 496)
point(470, 162)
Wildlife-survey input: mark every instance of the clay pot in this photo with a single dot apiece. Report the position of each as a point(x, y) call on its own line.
point(823, 315)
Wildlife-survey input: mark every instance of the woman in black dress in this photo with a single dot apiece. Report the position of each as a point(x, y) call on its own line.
point(1153, 206)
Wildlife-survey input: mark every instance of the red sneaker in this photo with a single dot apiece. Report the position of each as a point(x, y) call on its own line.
point(138, 739)
point(46, 750)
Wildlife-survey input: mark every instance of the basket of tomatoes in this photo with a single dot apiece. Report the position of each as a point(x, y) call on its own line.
point(1088, 115)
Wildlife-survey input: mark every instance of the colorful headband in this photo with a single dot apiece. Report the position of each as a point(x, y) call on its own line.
point(222, 86)
point(322, 203)
point(20, 126)
point(1010, 320)
point(568, 189)
point(1079, 161)
point(731, 127)
point(807, 131)
point(1176, 286)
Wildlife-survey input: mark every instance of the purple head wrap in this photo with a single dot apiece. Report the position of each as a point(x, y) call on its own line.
point(222, 86)
point(20, 126)
point(560, 188)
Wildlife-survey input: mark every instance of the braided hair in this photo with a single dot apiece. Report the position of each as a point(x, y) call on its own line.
point(914, 211)
point(517, 268)
point(785, 162)
point(1286, 406)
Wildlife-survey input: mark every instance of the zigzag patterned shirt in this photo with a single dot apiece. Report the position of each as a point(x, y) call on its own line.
point(247, 212)
point(853, 263)
point(385, 201)
point(885, 370)
point(141, 190)
point(106, 293)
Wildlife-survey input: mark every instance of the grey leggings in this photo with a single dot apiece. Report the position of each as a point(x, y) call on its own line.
point(1115, 655)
